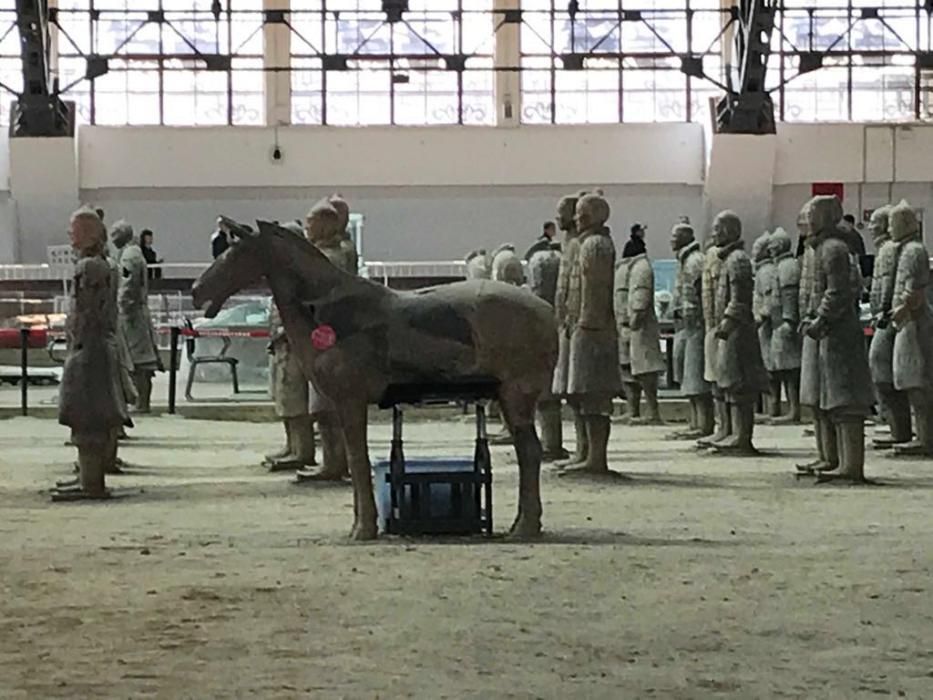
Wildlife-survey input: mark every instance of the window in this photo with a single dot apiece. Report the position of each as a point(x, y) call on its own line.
point(167, 61)
point(611, 61)
point(352, 66)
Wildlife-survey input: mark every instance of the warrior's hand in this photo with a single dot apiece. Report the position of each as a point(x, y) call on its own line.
point(901, 315)
point(803, 327)
point(817, 329)
point(725, 329)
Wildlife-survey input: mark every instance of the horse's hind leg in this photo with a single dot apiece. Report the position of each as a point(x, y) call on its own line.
point(519, 411)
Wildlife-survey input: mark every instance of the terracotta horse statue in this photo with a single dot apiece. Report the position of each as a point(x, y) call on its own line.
point(356, 338)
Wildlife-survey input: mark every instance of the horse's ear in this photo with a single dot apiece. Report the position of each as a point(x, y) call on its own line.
point(267, 227)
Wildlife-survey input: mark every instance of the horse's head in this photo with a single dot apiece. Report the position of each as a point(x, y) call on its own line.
point(239, 267)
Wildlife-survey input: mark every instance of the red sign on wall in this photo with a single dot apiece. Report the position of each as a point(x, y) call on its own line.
point(825, 188)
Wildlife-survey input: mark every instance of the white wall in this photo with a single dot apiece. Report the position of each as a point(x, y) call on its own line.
point(435, 193)
point(403, 223)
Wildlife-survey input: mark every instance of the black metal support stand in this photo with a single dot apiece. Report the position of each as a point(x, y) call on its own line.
point(469, 510)
point(173, 369)
point(24, 369)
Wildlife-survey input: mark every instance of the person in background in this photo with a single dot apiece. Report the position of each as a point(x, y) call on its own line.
point(852, 236)
point(544, 241)
point(635, 245)
point(152, 258)
point(219, 243)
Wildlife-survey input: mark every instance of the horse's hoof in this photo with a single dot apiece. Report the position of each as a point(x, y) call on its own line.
point(364, 532)
point(525, 528)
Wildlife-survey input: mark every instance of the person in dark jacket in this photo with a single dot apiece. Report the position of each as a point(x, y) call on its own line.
point(152, 258)
point(544, 241)
point(635, 245)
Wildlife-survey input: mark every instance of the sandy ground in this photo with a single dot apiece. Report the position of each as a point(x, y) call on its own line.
point(700, 578)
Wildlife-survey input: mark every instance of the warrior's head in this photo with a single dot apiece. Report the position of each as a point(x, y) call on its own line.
point(727, 228)
point(682, 235)
point(903, 222)
point(592, 213)
point(779, 243)
point(878, 225)
point(824, 213)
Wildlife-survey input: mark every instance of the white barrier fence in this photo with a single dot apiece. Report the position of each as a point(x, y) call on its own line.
point(383, 271)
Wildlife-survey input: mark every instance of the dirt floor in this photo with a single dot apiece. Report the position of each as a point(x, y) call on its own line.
point(699, 578)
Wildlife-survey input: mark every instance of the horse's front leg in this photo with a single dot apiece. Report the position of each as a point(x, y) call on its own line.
point(353, 417)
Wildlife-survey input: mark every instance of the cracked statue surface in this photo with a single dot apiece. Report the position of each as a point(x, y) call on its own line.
point(354, 338)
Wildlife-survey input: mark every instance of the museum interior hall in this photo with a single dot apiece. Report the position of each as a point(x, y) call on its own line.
point(466, 349)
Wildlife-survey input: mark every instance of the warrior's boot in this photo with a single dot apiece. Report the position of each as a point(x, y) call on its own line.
point(582, 449)
point(827, 450)
point(850, 439)
point(897, 414)
point(923, 445)
point(271, 459)
point(723, 424)
point(113, 464)
point(775, 405)
point(706, 417)
point(791, 382)
point(597, 428)
point(633, 401)
point(743, 425)
point(92, 461)
point(334, 453)
point(649, 384)
point(142, 379)
point(299, 435)
point(552, 437)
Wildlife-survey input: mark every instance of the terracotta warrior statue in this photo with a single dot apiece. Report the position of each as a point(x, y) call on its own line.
point(894, 404)
point(844, 380)
point(913, 326)
point(712, 268)
point(133, 307)
point(765, 271)
point(740, 373)
point(289, 390)
point(478, 265)
point(689, 332)
point(785, 318)
point(566, 309)
point(593, 378)
point(640, 357)
point(543, 270)
point(507, 266)
point(91, 398)
point(326, 227)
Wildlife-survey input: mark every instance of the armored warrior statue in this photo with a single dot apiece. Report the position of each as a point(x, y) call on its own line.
point(325, 227)
point(91, 399)
point(844, 390)
point(913, 324)
point(543, 270)
point(289, 390)
point(689, 332)
point(785, 318)
point(894, 404)
point(593, 378)
point(740, 373)
point(567, 309)
point(640, 358)
point(507, 266)
point(712, 268)
point(827, 456)
point(764, 300)
point(133, 307)
point(478, 265)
